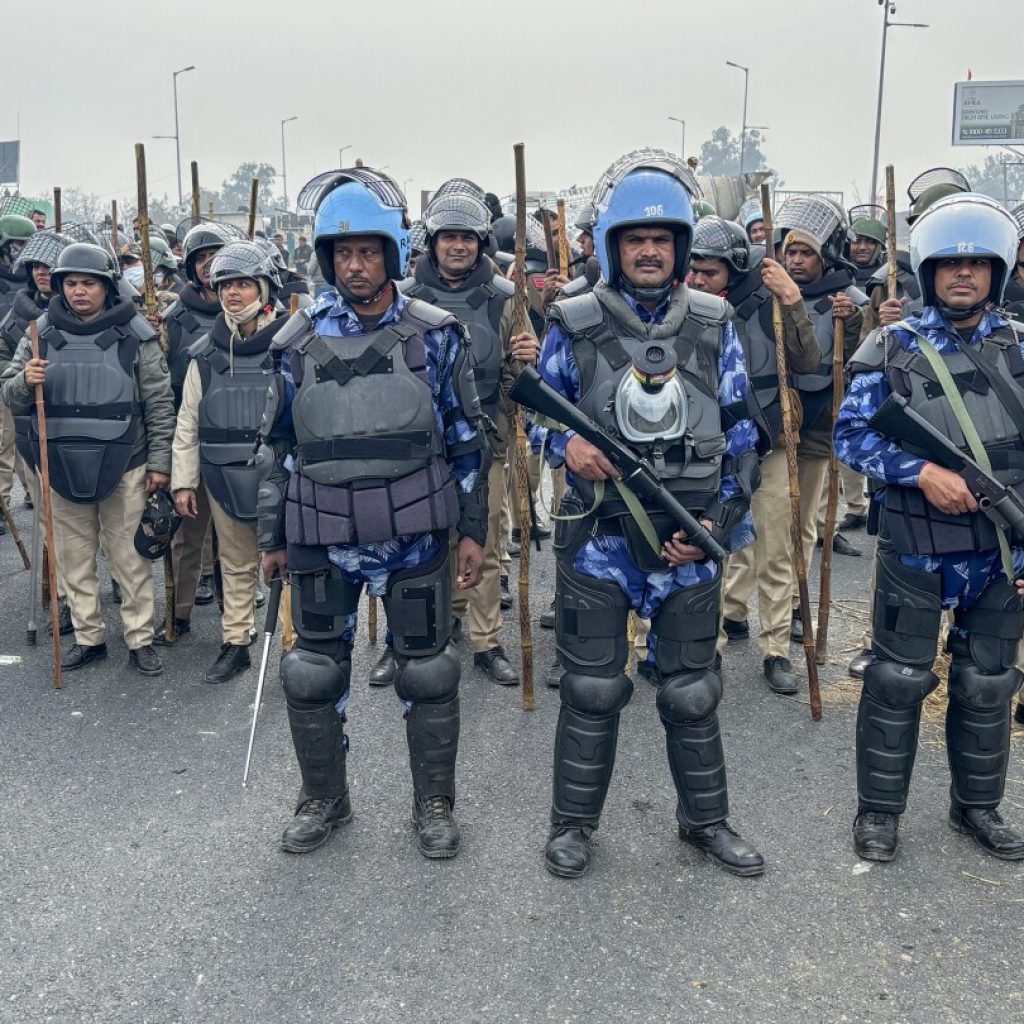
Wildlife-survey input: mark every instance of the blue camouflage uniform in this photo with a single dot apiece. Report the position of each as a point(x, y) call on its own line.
point(964, 575)
point(607, 557)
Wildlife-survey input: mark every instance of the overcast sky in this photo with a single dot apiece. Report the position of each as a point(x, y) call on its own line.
point(437, 88)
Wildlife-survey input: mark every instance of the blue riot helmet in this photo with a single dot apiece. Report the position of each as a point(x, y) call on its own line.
point(358, 201)
point(650, 188)
point(959, 227)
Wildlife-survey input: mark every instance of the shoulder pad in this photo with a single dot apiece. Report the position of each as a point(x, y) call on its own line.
point(428, 317)
point(879, 278)
point(870, 353)
point(577, 313)
point(503, 286)
point(577, 286)
point(295, 330)
point(172, 311)
point(705, 306)
point(407, 286)
point(859, 298)
point(200, 346)
point(142, 328)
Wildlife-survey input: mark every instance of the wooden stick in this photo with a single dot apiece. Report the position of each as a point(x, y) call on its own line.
point(58, 219)
point(371, 617)
point(789, 436)
point(148, 287)
point(520, 302)
point(287, 623)
point(44, 476)
point(254, 193)
point(9, 519)
point(549, 237)
point(890, 238)
point(831, 504)
point(195, 193)
point(563, 241)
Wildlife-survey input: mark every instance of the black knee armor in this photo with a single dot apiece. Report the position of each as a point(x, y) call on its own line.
point(687, 629)
point(687, 705)
point(585, 742)
point(418, 603)
point(590, 623)
point(313, 684)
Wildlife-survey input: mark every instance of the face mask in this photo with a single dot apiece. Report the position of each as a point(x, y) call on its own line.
point(135, 276)
point(158, 278)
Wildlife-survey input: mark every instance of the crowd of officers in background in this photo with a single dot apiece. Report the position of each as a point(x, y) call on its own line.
point(168, 426)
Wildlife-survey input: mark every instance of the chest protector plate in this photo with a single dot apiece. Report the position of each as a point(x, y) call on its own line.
point(230, 414)
point(691, 466)
point(184, 328)
point(370, 456)
point(479, 310)
point(93, 413)
point(916, 526)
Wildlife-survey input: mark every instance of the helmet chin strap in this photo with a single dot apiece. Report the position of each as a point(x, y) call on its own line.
point(958, 315)
point(653, 295)
point(356, 300)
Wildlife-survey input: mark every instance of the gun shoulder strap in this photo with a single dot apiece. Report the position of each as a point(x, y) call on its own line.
point(956, 403)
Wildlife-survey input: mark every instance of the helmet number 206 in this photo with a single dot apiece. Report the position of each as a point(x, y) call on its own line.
point(654, 211)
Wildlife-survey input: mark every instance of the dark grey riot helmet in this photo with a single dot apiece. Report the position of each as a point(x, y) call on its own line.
point(585, 218)
point(275, 254)
point(504, 231)
point(716, 238)
point(85, 258)
point(457, 211)
point(418, 237)
point(158, 525)
point(43, 247)
point(240, 260)
point(205, 235)
point(461, 186)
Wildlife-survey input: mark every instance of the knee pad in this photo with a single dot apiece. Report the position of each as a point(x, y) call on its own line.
point(311, 680)
point(975, 688)
point(687, 628)
point(322, 599)
point(597, 696)
point(898, 686)
point(994, 626)
point(418, 603)
point(906, 613)
point(689, 698)
point(431, 680)
point(590, 623)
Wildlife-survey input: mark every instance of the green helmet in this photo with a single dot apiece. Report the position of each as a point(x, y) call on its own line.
point(929, 197)
point(14, 228)
point(162, 255)
point(868, 227)
point(702, 208)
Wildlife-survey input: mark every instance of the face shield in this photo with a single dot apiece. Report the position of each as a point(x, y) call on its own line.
point(650, 402)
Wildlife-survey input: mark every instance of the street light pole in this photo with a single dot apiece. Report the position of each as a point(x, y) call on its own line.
point(682, 141)
point(743, 130)
point(888, 7)
point(284, 163)
point(177, 133)
point(341, 155)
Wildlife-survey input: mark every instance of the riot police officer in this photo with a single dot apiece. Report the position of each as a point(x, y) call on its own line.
point(960, 366)
point(610, 559)
point(723, 262)
point(110, 432)
point(190, 318)
point(218, 422)
point(373, 456)
point(868, 234)
point(15, 231)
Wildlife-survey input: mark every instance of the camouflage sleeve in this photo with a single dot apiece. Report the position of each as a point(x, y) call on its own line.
point(16, 393)
point(157, 406)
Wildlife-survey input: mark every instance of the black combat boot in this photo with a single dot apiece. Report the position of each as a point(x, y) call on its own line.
point(778, 673)
point(986, 827)
point(384, 672)
point(323, 804)
point(875, 834)
point(433, 734)
point(181, 627)
point(506, 594)
point(205, 591)
point(233, 659)
point(79, 655)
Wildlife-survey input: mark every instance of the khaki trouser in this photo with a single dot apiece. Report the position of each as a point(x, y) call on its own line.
point(239, 560)
point(768, 562)
point(484, 600)
point(34, 488)
point(79, 530)
point(10, 460)
point(854, 489)
point(189, 554)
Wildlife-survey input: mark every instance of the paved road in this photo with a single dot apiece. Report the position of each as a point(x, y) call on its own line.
point(140, 883)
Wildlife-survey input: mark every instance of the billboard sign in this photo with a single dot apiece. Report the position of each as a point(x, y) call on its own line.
point(988, 113)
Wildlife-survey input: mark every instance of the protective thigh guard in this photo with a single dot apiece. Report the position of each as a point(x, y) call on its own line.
point(906, 613)
point(322, 598)
point(888, 720)
point(418, 603)
point(585, 742)
point(687, 705)
point(590, 623)
point(687, 629)
point(980, 692)
point(313, 684)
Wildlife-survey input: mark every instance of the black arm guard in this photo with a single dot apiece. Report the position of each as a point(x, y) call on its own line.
point(728, 515)
point(473, 505)
point(270, 500)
